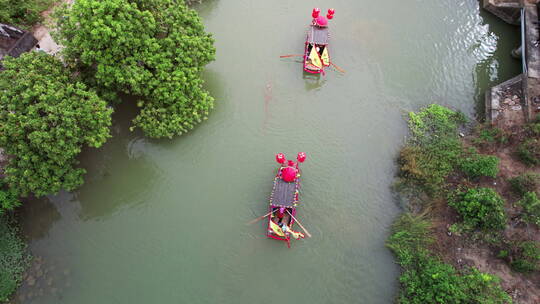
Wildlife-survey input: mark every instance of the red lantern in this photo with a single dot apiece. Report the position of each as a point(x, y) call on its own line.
point(301, 157)
point(315, 12)
point(280, 158)
point(329, 16)
point(331, 11)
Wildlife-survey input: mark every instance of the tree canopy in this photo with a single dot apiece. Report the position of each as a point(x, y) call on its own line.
point(45, 119)
point(154, 49)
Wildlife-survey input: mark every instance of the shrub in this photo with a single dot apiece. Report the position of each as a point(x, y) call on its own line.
point(410, 237)
point(534, 127)
point(476, 165)
point(529, 152)
point(154, 49)
point(9, 199)
point(525, 257)
point(480, 207)
point(531, 208)
point(526, 182)
point(488, 134)
point(13, 259)
point(426, 279)
point(432, 149)
point(46, 117)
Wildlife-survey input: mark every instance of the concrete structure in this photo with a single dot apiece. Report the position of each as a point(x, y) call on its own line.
point(14, 41)
point(517, 100)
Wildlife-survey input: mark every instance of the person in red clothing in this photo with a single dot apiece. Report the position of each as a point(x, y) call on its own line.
point(280, 214)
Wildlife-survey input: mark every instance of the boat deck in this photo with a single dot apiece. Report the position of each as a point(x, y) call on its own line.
point(284, 194)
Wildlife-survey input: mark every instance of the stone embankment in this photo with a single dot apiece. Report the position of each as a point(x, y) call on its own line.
point(517, 100)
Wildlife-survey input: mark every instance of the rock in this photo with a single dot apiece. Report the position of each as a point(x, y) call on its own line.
point(507, 101)
point(461, 134)
point(515, 97)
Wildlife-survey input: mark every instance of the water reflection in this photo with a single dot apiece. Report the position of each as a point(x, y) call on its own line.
point(313, 81)
point(37, 217)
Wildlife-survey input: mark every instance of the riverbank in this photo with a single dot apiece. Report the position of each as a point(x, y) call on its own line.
point(476, 196)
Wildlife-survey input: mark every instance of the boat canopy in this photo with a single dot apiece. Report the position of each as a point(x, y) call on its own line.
point(283, 194)
point(317, 35)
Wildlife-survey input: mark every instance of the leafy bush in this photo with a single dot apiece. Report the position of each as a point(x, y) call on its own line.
point(529, 152)
point(525, 257)
point(488, 134)
point(476, 165)
point(531, 208)
point(480, 207)
point(426, 279)
point(432, 149)
point(410, 237)
point(45, 119)
point(13, 259)
point(526, 182)
point(9, 199)
point(154, 49)
point(534, 127)
point(22, 12)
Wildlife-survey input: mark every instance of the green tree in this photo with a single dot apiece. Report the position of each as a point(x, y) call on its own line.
point(154, 49)
point(45, 119)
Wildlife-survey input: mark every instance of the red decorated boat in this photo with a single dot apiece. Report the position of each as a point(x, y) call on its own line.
point(316, 53)
point(284, 200)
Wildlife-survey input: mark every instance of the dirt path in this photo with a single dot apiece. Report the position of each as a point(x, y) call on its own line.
point(43, 33)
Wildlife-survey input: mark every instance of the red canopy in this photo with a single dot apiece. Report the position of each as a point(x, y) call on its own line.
point(288, 174)
point(321, 21)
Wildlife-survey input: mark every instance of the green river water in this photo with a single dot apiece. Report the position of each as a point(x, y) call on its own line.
point(163, 221)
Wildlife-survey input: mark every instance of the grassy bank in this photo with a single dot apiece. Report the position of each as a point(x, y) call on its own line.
point(465, 225)
point(13, 257)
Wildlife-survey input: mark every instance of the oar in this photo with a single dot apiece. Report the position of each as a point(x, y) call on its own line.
point(293, 55)
point(338, 68)
point(260, 218)
point(307, 233)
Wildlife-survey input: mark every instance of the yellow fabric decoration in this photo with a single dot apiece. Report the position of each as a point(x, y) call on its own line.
point(314, 58)
point(277, 230)
point(325, 57)
point(296, 234)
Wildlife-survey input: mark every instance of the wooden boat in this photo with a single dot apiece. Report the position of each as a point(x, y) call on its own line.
point(316, 53)
point(284, 197)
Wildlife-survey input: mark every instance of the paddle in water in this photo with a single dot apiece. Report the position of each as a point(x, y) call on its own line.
point(260, 217)
point(305, 230)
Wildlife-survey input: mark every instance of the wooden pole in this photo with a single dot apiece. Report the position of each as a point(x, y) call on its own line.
point(337, 68)
point(299, 224)
point(293, 55)
point(260, 218)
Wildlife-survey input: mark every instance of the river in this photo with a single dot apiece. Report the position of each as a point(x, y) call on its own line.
point(164, 221)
